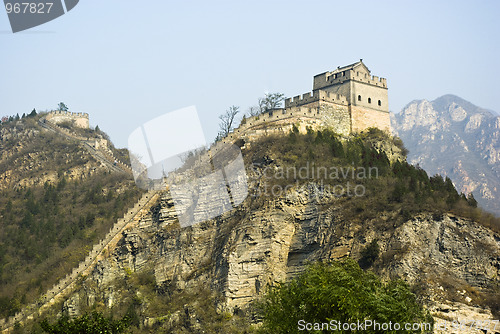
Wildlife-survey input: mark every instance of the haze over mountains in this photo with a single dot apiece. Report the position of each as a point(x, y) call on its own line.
point(453, 137)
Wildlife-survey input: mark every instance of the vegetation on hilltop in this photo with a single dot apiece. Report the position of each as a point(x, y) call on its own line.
point(56, 201)
point(393, 186)
point(394, 194)
point(268, 102)
point(7, 119)
point(397, 189)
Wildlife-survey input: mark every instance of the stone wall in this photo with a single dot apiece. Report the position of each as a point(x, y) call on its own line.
point(317, 95)
point(363, 118)
point(342, 119)
point(316, 115)
point(328, 79)
point(79, 119)
point(100, 145)
point(343, 88)
point(100, 250)
point(366, 95)
point(337, 118)
point(361, 93)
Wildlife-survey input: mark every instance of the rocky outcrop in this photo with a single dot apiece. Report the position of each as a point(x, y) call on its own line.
point(242, 252)
point(455, 138)
point(25, 162)
point(271, 238)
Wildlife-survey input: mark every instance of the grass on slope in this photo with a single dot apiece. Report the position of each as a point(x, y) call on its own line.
point(50, 221)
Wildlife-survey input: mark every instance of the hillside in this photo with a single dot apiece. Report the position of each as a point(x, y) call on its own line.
point(206, 277)
point(57, 199)
point(455, 138)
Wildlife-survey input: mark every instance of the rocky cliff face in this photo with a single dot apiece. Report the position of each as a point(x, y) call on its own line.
point(58, 198)
point(453, 137)
point(185, 280)
point(237, 255)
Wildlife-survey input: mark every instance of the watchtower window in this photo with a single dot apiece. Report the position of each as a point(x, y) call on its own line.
point(343, 73)
point(359, 97)
point(369, 100)
point(379, 103)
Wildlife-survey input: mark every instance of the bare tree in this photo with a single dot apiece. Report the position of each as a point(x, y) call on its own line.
point(227, 121)
point(273, 100)
point(253, 111)
point(266, 103)
point(262, 105)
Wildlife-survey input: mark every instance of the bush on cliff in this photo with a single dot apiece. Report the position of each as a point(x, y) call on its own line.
point(87, 323)
point(336, 293)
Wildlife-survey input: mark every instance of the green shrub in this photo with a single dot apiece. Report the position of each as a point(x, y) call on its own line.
point(339, 292)
point(369, 254)
point(87, 323)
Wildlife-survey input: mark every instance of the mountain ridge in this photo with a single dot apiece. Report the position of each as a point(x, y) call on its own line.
point(455, 138)
point(59, 193)
point(206, 277)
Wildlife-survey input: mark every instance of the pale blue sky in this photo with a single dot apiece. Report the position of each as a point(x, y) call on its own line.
point(126, 62)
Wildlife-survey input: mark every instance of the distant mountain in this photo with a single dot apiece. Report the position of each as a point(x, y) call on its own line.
point(453, 137)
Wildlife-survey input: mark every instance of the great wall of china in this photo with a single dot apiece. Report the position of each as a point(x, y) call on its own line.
point(281, 121)
point(78, 119)
point(99, 250)
point(274, 121)
point(315, 110)
point(97, 148)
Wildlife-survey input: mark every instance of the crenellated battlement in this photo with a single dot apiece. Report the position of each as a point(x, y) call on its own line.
point(315, 96)
point(372, 80)
point(336, 77)
point(68, 113)
point(79, 119)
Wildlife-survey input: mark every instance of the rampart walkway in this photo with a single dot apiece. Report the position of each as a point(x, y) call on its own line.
point(132, 217)
point(100, 155)
point(99, 250)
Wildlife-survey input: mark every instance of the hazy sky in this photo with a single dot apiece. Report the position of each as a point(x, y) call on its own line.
point(126, 62)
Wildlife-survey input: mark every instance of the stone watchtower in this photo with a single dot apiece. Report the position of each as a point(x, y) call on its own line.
point(347, 100)
point(366, 94)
